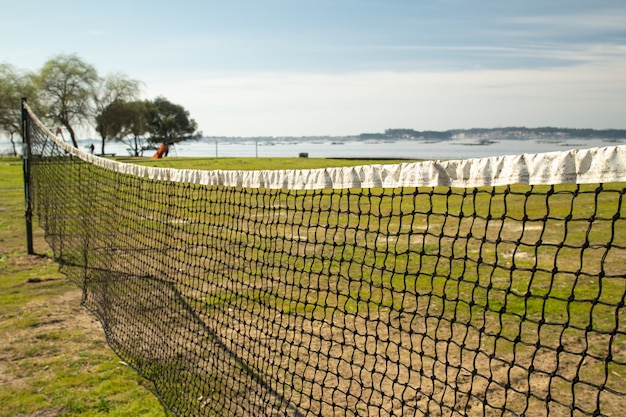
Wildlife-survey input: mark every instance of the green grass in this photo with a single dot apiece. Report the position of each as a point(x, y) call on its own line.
point(251, 164)
point(472, 230)
point(53, 357)
point(507, 264)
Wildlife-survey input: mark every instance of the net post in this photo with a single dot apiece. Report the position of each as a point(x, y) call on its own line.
point(28, 212)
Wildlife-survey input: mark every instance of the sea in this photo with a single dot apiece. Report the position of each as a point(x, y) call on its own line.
point(352, 148)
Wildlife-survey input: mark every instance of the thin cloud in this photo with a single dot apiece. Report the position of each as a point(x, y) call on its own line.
point(296, 104)
point(299, 68)
point(596, 21)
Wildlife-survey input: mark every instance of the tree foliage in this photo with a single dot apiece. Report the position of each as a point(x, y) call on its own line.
point(110, 96)
point(69, 92)
point(13, 86)
point(138, 122)
point(170, 123)
point(67, 84)
point(127, 122)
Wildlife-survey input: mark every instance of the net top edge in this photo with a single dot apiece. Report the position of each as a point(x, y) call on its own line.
point(594, 165)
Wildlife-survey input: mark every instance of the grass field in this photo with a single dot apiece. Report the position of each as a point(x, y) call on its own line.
point(54, 360)
point(391, 301)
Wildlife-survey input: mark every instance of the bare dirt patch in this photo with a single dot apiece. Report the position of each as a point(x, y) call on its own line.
point(49, 412)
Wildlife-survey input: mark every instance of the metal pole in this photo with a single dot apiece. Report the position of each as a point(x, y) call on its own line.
point(28, 212)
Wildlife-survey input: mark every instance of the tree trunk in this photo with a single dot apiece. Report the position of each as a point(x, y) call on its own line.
point(72, 134)
point(13, 143)
point(136, 146)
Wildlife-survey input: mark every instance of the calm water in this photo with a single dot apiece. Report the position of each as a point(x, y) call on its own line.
point(398, 149)
point(357, 149)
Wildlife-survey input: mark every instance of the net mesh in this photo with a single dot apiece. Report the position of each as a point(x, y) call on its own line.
point(493, 300)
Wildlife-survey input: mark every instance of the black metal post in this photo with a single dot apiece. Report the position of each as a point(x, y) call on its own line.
point(28, 212)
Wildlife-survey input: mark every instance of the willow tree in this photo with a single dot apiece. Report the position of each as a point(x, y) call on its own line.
point(67, 84)
point(14, 85)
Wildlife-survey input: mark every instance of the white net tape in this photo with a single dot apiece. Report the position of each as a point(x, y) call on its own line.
point(582, 166)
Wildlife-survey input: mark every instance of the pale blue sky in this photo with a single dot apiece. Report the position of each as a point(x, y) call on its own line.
point(341, 67)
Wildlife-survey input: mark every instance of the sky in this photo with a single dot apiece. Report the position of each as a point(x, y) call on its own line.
point(344, 67)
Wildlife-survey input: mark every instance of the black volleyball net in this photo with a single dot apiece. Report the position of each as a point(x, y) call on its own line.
point(490, 287)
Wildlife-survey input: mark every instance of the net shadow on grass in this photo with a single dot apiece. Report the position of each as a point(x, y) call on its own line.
point(148, 323)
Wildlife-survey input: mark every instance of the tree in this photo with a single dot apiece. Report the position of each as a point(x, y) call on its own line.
point(128, 122)
point(110, 92)
point(137, 125)
point(170, 123)
point(67, 89)
point(13, 86)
